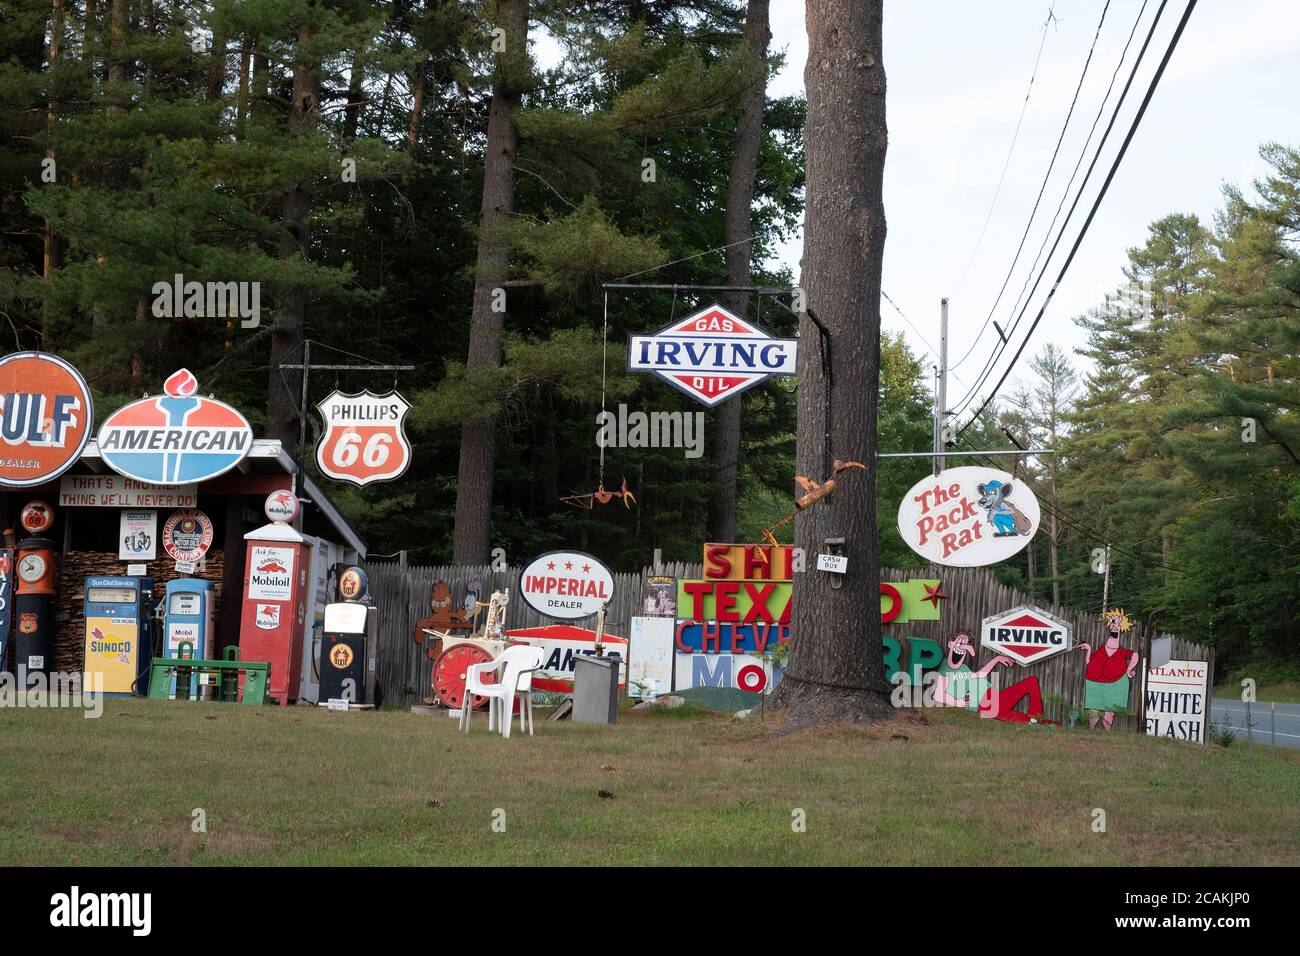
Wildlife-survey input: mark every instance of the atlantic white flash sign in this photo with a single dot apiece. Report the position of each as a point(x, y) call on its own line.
point(712, 355)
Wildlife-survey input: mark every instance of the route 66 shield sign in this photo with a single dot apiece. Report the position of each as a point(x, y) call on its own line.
point(364, 440)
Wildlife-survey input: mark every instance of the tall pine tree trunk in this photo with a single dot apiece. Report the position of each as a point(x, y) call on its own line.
point(49, 241)
point(738, 227)
point(478, 437)
point(295, 213)
point(836, 669)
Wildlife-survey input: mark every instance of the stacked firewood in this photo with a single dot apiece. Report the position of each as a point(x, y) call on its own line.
point(70, 621)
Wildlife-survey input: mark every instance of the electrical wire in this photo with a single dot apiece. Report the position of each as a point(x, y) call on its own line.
point(1041, 189)
point(1105, 186)
point(1010, 150)
point(1000, 348)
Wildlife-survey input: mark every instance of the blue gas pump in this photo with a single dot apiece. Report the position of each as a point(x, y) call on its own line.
point(119, 640)
point(188, 619)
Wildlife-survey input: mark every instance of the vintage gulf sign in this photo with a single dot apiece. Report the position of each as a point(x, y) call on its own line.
point(1026, 635)
point(176, 437)
point(45, 418)
point(364, 439)
point(712, 355)
point(566, 584)
point(968, 517)
point(561, 643)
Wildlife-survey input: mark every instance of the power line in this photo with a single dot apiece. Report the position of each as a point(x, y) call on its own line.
point(924, 340)
point(1041, 189)
point(1146, 100)
point(1065, 194)
point(1119, 103)
point(1010, 150)
point(1078, 526)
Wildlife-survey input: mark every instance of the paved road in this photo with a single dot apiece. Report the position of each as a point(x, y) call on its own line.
point(1288, 720)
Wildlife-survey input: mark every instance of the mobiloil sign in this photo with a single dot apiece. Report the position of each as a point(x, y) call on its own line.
point(175, 438)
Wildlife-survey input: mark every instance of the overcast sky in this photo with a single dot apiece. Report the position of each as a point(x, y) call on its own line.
point(957, 75)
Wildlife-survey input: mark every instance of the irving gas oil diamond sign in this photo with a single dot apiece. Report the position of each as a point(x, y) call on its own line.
point(1026, 635)
point(712, 355)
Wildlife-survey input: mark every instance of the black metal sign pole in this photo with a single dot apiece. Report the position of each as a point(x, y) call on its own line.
point(307, 369)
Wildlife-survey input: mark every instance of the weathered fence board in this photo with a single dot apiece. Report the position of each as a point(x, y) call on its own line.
point(402, 595)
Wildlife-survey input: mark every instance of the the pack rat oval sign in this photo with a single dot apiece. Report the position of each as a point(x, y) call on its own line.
point(45, 418)
point(175, 438)
point(566, 584)
point(967, 517)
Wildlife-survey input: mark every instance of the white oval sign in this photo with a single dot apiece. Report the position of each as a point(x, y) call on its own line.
point(566, 584)
point(968, 517)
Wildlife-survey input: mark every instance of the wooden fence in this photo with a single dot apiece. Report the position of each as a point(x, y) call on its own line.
point(401, 592)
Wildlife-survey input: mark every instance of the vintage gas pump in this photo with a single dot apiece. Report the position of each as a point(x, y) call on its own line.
point(188, 619)
point(276, 592)
point(33, 619)
point(343, 657)
point(119, 640)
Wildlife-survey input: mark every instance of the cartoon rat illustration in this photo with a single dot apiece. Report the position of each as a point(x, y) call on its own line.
point(1006, 518)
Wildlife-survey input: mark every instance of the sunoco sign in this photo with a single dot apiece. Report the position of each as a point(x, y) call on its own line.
point(1026, 635)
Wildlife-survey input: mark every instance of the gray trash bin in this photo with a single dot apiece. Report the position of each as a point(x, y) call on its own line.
point(595, 689)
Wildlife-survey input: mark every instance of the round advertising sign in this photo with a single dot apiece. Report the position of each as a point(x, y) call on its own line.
point(968, 517)
point(36, 517)
point(47, 416)
point(352, 584)
point(187, 535)
point(175, 438)
point(566, 584)
point(281, 506)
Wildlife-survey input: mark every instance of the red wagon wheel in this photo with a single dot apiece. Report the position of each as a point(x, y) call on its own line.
point(449, 674)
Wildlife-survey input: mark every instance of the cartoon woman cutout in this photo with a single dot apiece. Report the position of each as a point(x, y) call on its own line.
point(1107, 672)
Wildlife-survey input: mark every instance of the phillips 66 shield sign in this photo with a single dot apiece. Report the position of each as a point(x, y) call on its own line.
point(712, 355)
point(364, 440)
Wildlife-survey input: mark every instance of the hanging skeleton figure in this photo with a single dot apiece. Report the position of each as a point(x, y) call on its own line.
point(601, 496)
point(814, 492)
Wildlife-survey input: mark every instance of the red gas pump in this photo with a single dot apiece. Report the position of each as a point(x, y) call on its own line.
point(275, 605)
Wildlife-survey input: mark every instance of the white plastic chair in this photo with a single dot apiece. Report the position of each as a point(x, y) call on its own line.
point(519, 662)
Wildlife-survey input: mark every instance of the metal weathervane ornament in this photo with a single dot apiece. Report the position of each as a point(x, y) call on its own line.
point(712, 355)
point(364, 439)
point(179, 437)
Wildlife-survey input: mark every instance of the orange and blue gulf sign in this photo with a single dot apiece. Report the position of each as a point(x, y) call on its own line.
point(178, 437)
point(45, 418)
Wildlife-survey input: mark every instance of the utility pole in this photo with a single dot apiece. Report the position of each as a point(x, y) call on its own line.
point(941, 391)
point(1105, 581)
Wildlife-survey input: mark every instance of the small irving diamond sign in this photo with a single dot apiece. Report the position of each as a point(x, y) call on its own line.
point(712, 355)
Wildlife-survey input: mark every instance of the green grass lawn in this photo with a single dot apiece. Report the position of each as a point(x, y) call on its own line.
point(304, 786)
